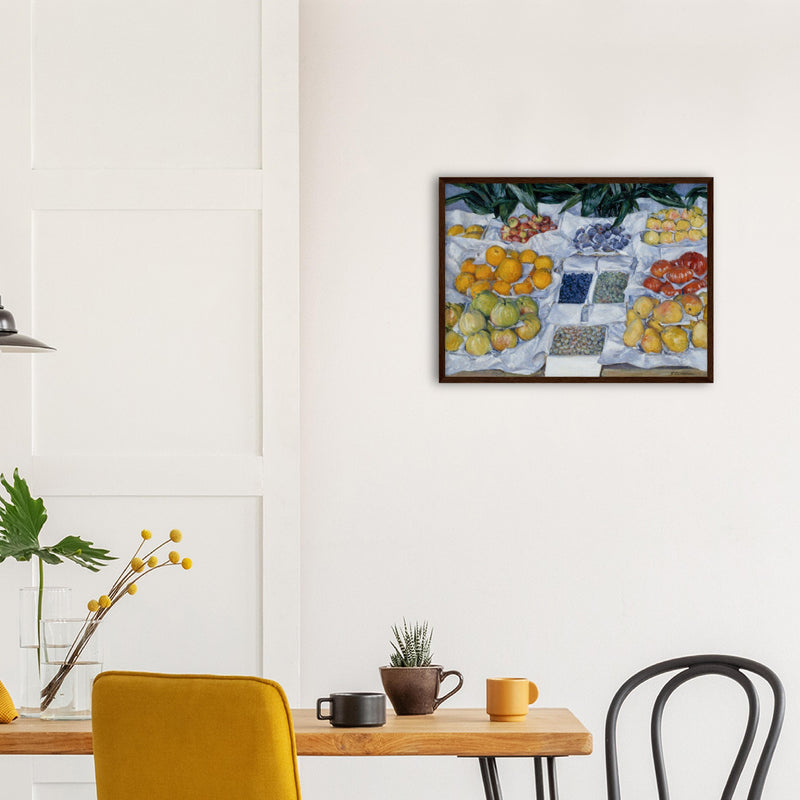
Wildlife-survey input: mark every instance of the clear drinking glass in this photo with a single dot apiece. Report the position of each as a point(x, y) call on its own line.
point(71, 659)
point(55, 603)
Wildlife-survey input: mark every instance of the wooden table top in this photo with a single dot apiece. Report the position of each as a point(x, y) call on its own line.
point(448, 732)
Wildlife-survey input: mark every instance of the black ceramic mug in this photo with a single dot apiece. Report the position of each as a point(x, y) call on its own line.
point(354, 709)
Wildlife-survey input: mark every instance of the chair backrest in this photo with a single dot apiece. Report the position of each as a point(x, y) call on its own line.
point(192, 737)
point(692, 667)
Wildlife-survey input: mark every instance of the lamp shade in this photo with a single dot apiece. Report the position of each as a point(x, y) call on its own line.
point(11, 341)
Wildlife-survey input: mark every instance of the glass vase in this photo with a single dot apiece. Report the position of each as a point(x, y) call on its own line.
point(71, 660)
point(55, 603)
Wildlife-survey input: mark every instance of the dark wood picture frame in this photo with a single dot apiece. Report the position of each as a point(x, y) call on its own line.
point(495, 201)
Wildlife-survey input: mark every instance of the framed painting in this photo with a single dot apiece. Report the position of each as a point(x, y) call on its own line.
point(576, 279)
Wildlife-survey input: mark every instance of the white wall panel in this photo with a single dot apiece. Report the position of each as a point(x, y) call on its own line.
point(146, 188)
point(146, 83)
point(281, 391)
point(15, 218)
point(63, 778)
point(155, 316)
point(64, 791)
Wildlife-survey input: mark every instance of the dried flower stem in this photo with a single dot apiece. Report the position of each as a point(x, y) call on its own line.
point(127, 578)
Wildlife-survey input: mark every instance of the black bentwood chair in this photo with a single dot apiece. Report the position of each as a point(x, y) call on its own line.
point(692, 667)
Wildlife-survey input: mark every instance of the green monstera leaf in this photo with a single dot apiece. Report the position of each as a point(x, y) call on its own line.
point(22, 518)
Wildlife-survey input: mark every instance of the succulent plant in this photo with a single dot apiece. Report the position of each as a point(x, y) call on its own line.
point(411, 645)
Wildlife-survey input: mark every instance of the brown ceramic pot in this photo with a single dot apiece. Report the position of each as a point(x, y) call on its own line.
point(414, 690)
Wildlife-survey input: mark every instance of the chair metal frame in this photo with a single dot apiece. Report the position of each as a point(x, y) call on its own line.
point(692, 667)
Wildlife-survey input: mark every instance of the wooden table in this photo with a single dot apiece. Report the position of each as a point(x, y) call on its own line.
point(546, 733)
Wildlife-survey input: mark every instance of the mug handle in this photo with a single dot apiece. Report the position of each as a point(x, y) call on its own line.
point(533, 692)
point(439, 700)
point(319, 708)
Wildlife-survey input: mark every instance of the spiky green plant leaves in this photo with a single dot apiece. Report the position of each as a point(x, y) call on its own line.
point(411, 645)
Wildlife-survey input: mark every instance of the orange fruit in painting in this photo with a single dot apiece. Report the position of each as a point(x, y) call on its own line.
point(478, 287)
point(509, 270)
point(527, 256)
point(483, 272)
point(468, 265)
point(543, 262)
point(524, 287)
point(494, 255)
point(463, 281)
point(501, 287)
point(511, 253)
point(542, 278)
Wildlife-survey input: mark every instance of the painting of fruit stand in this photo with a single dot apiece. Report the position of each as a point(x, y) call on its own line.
point(575, 279)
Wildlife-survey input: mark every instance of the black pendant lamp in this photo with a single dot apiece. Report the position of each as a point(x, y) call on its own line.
point(13, 342)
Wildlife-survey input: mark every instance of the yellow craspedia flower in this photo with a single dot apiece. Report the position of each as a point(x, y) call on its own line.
point(93, 606)
point(105, 601)
point(175, 535)
point(147, 534)
point(174, 556)
point(133, 588)
point(137, 564)
point(186, 563)
point(152, 561)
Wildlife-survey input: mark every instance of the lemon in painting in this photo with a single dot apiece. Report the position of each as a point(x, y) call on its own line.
point(509, 270)
point(542, 278)
point(463, 281)
point(494, 255)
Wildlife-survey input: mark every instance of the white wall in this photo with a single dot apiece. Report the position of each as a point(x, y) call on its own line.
point(566, 532)
point(569, 533)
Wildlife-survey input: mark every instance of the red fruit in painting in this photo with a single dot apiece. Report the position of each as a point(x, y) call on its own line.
point(694, 286)
point(659, 268)
point(669, 290)
point(700, 267)
point(678, 274)
point(696, 262)
point(653, 284)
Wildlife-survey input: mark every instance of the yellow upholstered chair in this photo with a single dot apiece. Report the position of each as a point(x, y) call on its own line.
point(192, 737)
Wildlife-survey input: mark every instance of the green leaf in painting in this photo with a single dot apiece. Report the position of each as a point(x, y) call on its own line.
point(505, 208)
point(573, 201)
point(694, 193)
point(591, 197)
point(524, 194)
point(626, 206)
point(456, 197)
point(665, 194)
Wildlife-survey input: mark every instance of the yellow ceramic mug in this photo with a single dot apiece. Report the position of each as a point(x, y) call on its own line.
point(507, 699)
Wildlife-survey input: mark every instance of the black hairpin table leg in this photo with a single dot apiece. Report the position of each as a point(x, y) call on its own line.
point(551, 777)
point(491, 780)
point(539, 777)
